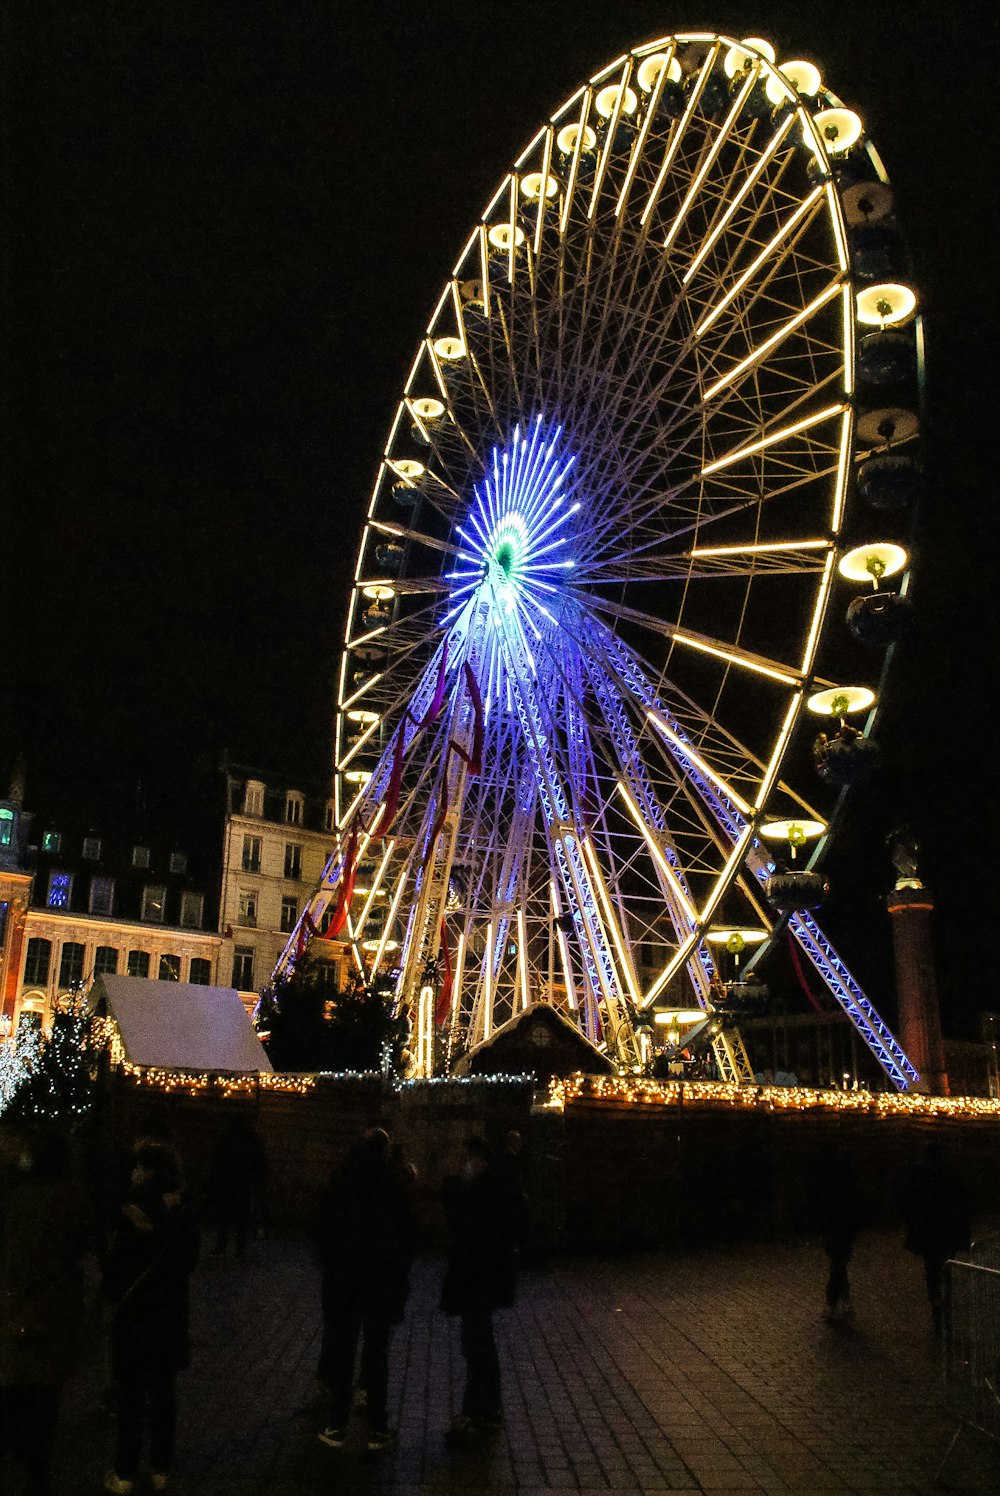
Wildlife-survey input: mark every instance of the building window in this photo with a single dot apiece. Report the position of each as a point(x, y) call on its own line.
point(6, 827)
point(328, 820)
point(138, 963)
point(293, 809)
point(71, 963)
point(36, 966)
point(102, 895)
point(248, 907)
point(243, 968)
point(105, 961)
point(253, 798)
point(251, 854)
point(293, 860)
point(92, 848)
point(191, 909)
point(170, 968)
point(60, 890)
point(289, 913)
point(328, 978)
point(52, 841)
point(153, 896)
point(201, 972)
point(4, 906)
point(178, 862)
point(140, 857)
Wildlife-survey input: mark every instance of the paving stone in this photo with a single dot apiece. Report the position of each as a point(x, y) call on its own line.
point(655, 1374)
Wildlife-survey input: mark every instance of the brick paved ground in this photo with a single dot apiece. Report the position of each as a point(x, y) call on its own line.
point(699, 1371)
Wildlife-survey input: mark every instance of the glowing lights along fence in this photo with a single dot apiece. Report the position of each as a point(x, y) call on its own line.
point(597, 580)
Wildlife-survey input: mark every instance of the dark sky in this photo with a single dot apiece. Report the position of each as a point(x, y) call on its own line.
point(225, 226)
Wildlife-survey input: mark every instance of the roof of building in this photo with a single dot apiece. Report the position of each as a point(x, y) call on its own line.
point(540, 1041)
point(178, 1026)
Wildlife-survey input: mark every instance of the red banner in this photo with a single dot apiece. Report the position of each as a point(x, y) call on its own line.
point(444, 997)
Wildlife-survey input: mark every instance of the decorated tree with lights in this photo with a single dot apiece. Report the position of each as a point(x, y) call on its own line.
point(52, 1079)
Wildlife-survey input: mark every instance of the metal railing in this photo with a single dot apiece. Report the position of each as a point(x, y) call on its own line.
point(972, 1343)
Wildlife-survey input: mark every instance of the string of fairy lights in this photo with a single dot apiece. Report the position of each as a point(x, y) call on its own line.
point(626, 1091)
point(21, 1062)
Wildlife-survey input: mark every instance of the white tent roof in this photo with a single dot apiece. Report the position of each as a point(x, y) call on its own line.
point(177, 1026)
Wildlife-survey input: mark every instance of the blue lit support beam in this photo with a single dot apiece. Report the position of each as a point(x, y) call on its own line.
point(880, 1040)
point(835, 974)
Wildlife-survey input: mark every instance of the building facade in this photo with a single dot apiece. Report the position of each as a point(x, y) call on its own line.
point(277, 842)
point(106, 905)
point(15, 896)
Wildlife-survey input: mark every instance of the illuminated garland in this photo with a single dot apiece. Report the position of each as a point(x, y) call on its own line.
point(620, 1091)
point(18, 1061)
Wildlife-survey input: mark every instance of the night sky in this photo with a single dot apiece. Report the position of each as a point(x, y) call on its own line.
point(225, 226)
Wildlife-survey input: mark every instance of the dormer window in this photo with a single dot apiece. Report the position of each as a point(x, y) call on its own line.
point(6, 826)
point(253, 798)
point(140, 857)
point(92, 848)
point(293, 808)
point(52, 841)
point(153, 896)
point(178, 862)
point(60, 890)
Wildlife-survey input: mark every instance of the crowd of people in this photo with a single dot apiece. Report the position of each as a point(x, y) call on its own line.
point(140, 1243)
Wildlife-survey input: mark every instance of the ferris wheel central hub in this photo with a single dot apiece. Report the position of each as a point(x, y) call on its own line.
point(515, 536)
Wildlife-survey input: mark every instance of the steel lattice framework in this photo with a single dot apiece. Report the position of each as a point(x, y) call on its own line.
point(595, 579)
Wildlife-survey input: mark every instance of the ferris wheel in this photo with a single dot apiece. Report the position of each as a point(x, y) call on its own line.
point(598, 580)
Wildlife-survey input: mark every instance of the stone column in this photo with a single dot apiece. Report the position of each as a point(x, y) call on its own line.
point(910, 908)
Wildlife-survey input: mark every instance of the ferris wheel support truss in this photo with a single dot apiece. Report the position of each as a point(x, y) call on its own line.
point(803, 927)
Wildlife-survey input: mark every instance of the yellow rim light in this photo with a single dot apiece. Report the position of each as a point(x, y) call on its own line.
point(358, 714)
point(357, 776)
point(680, 1017)
point(650, 68)
point(501, 236)
point(449, 349)
point(373, 945)
point(535, 183)
point(839, 129)
point(804, 78)
point(380, 592)
point(729, 935)
point(607, 100)
point(869, 563)
point(408, 468)
point(751, 48)
point(880, 306)
point(841, 701)
point(428, 409)
point(569, 135)
point(795, 831)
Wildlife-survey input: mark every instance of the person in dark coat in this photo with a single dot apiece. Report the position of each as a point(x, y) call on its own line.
point(153, 1250)
point(937, 1213)
point(480, 1277)
point(838, 1209)
point(365, 1241)
point(48, 1232)
point(237, 1182)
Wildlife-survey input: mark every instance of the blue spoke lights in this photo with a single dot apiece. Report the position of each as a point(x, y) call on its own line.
point(515, 532)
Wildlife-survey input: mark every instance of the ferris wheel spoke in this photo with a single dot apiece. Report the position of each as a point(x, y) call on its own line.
point(677, 134)
point(799, 221)
point(776, 338)
point(732, 654)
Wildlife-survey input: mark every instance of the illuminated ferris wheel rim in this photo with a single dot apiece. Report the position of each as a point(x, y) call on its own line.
point(468, 536)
